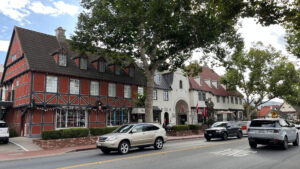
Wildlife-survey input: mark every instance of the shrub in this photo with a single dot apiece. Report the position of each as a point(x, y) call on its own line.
point(74, 132)
point(97, 131)
point(12, 132)
point(194, 127)
point(53, 134)
point(180, 127)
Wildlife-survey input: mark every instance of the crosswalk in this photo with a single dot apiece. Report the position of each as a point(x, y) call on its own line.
point(234, 152)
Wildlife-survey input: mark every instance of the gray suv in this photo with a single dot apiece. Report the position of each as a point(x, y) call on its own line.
point(272, 131)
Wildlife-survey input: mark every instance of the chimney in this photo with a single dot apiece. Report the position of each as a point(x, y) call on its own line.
point(60, 34)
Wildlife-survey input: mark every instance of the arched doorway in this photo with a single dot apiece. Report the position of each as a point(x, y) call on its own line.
point(166, 118)
point(181, 112)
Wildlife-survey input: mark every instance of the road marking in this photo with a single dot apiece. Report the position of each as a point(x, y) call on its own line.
point(235, 152)
point(19, 145)
point(146, 155)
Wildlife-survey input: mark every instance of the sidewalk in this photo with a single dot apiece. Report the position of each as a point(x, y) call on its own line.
point(44, 153)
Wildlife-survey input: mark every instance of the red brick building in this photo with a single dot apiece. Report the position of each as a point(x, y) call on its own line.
point(47, 86)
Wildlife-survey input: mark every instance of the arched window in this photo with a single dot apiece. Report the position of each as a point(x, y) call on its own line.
point(180, 84)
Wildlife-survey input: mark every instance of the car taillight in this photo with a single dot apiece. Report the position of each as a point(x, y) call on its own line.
point(244, 127)
point(276, 131)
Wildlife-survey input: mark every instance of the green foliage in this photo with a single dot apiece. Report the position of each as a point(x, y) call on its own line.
point(53, 134)
point(97, 131)
point(74, 132)
point(194, 127)
point(209, 122)
point(12, 132)
point(193, 69)
point(140, 101)
point(180, 127)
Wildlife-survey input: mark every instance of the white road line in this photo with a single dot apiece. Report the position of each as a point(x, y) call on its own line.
point(19, 145)
point(234, 152)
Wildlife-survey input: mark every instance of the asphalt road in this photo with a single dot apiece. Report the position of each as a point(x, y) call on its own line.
point(187, 154)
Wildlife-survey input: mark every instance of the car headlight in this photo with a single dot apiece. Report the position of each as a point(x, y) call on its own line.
point(112, 138)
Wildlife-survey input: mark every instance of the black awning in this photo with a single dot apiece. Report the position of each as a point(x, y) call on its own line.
point(156, 108)
point(6, 104)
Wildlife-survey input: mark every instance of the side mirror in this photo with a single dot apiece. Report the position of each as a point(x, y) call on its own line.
point(133, 131)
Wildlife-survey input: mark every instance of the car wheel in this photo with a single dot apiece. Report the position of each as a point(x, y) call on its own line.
point(158, 144)
point(105, 151)
point(207, 138)
point(124, 147)
point(296, 142)
point(225, 136)
point(252, 144)
point(239, 135)
point(285, 143)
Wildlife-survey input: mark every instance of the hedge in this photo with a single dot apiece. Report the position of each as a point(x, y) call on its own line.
point(53, 134)
point(97, 131)
point(194, 127)
point(180, 127)
point(12, 132)
point(65, 133)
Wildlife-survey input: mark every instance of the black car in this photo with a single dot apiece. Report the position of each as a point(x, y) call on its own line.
point(223, 129)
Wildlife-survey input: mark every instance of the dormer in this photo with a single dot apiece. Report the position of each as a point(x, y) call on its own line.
point(208, 82)
point(129, 70)
point(60, 57)
point(157, 79)
point(99, 64)
point(81, 61)
point(215, 84)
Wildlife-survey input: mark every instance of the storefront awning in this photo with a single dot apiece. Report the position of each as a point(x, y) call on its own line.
point(138, 111)
point(156, 108)
point(224, 112)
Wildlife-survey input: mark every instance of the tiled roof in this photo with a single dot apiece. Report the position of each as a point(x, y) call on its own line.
point(163, 84)
point(207, 73)
point(264, 111)
point(38, 48)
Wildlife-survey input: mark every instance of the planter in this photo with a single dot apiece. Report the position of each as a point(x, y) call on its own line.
point(67, 142)
point(197, 132)
point(180, 133)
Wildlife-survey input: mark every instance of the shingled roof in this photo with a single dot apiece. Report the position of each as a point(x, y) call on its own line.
point(38, 47)
point(207, 73)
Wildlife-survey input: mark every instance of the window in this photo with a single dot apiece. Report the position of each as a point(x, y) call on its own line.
point(149, 127)
point(112, 90)
point(141, 91)
point(180, 84)
point(101, 66)
point(94, 89)
point(74, 86)
point(117, 69)
point(224, 99)
point(62, 59)
point(218, 99)
point(166, 96)
point(70, 118)
point(127, 91)
point(157, 79)
point(232, 100)
point(14, 57)
point(51, 84)
point(83, 63)
point(154, 94)
point(241, 101)
point(236, 100)
point(118, 117)
point(131, 71)
point(201, 96)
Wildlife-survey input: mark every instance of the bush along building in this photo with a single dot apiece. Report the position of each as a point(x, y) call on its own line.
point(47, 86)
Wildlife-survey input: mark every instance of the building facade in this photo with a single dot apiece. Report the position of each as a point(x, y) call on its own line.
point(47, 86)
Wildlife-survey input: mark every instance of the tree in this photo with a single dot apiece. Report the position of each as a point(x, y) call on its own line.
point(163, 33)
point(210, 109)
point(262, 74)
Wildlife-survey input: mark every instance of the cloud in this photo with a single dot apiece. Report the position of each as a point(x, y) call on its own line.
point(4, 45)
point(15, 9)
point(59, 8)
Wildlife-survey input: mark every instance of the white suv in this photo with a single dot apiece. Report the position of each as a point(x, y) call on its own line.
point(272, 131)
point(4, 133)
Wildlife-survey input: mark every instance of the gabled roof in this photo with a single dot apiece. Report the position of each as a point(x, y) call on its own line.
point(38, 48)
point(264, 111)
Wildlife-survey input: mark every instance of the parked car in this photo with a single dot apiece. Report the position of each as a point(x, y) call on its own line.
point(244, 125)
point(223, 130)
point(133, 135)
point(4, 133)
point(297, 126)
point(272, 132)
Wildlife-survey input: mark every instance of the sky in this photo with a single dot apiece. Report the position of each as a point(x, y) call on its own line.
point(47, 15)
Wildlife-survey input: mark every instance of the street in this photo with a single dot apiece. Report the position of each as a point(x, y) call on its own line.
point(187, 154)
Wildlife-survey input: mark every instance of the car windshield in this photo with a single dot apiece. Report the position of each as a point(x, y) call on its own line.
point(219, 124)
point(263, 123)
point(123, 129)
point(3, 125)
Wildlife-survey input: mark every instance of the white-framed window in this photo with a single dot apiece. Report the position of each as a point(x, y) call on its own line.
point(166, 96)
point(94, 88)
point(224, 98)
point(127, 91)
point(201, 96)
point(70, 118)
point(51, 84)
point(111, 90)
point(74, 86)
point(218, 99)
point(141, 91)
point(83, 63)
point(131, 71)
point(14, 57)
point(117, 69)
point(17, 83)
point(101, 66)
point(62, 59)
point(154, 94)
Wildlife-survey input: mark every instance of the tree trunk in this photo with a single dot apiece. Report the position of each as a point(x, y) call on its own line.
point(248, 112)
point(149, 97)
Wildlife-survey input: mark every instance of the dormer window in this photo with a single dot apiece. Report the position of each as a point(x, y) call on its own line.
point(157, 79)
point(101, 66)
point(200, 83)
point(131, 71)
point(62, 59)
point(117, 69)
point(83, 63)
